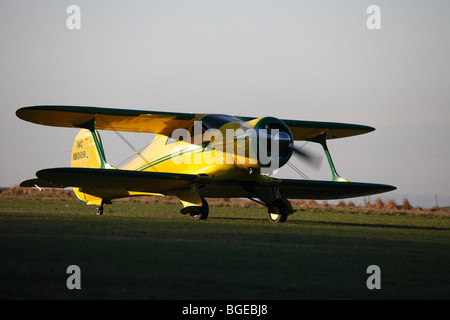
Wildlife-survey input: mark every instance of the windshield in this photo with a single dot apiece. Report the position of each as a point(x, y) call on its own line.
point(215, 121)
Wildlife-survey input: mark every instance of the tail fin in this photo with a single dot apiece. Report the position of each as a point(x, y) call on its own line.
point(87, 151)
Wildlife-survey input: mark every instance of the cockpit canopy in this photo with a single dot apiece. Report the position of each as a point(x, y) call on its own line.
point(216, 121)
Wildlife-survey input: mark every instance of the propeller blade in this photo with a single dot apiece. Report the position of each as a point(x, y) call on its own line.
point(314, 160)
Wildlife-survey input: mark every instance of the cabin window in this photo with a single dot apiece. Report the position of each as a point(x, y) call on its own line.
point(215, 121)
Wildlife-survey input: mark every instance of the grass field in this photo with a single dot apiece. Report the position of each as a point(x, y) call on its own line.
point(150, 251)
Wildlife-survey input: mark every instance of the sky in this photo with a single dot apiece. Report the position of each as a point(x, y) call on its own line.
point(291, 59)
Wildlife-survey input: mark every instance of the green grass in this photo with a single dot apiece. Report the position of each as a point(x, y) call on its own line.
point(150, 251)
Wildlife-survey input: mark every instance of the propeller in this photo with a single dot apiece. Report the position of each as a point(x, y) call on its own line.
point(313, 160)
point(285, 143)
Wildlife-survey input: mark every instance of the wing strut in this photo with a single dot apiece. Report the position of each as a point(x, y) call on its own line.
point(298, 171)
point(322, 140)
point(123, 138)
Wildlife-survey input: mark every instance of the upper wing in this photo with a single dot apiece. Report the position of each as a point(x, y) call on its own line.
point(303, 130)
point(163, 122)
point(108, 118)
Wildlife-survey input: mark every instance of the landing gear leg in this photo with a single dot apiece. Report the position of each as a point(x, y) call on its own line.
point(99, 210)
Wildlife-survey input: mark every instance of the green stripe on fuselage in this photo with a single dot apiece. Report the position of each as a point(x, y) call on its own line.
point(167, 157)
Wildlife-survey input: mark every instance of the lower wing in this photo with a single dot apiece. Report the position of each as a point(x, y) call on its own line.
point(117, 183)
point(293, 189)
point(111, 183)
point(323, 190)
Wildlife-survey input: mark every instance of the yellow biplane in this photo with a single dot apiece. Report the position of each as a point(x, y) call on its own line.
point(193, 157)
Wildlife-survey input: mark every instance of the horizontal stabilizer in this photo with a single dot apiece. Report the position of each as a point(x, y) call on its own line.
point(39, 183)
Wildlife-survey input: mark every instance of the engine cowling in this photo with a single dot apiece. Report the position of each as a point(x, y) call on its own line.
point(274, 138)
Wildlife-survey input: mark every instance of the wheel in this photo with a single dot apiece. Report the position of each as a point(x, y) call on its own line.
point(282, 214)
point(99, 211)
point(201, 213)
point(275, 217)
